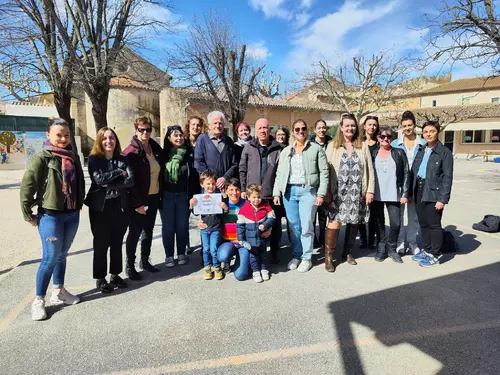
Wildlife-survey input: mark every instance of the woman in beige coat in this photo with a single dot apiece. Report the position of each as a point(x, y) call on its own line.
point(351, 190)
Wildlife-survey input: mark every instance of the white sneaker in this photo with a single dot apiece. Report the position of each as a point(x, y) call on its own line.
point(416, 250)
point(293, 264)
point(169, 262)
point(182, 259)
point(265, 275)
point(257, 277)
point(226, 267)
point(63, 296)
point(305, 266)
point(401, 248)
point(38, 309)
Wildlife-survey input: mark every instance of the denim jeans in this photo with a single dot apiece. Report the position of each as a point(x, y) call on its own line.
point(300, 209)
point(175, 222)
point(57, 232)
point(242, 264)
point(412, 228)
point(210, 243)
point(258, 258)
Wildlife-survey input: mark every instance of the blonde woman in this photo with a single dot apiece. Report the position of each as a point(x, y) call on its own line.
point(352, 187)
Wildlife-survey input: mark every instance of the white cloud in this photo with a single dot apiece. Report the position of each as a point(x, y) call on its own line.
point(301, 19)
point(271, 8)
point(306, 4)
point(258, 51)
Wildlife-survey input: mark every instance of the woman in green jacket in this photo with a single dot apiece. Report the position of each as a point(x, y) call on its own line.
point(302, 180)
point(54, 183)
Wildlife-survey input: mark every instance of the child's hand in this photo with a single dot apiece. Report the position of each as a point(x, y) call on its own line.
point(193, 202)
point(261, 227)
point(223, 206)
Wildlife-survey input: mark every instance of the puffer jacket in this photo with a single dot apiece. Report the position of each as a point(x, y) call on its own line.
point(403, 173)
point(249, 219)
point(439, 173)
point(315, 167)
point(250, 166)
point(42, 185)
point(109, 173)
point(138, 161)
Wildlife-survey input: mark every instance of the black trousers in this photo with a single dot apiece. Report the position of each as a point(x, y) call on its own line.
point(321, 218)
point(141, 226)
point(275, 237)
point(430, 221)
point(377, 210)
point(108, 228)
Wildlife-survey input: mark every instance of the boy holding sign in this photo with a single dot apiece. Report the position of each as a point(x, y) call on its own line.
point(211, 208)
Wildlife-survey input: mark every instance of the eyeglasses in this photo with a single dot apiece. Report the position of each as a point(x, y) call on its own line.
point(384, 136)
point(302, 129)
point(144, 130)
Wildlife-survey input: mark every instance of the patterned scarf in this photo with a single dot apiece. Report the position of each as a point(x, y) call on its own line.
point(174, 164)
point(68, 172)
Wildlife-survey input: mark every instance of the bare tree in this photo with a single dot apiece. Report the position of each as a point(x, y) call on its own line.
point(214, 61)
point(362, 85)
point(33, 56)
point(464, 30)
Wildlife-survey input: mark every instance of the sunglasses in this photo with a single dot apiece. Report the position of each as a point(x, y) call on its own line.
point(297, 130)
point(383, 136)
point(144, 130)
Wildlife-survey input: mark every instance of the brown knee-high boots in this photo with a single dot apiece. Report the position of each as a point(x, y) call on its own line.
point(331, 236)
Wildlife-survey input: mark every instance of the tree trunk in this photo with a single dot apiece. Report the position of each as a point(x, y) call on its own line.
point(100, 109)
point(62, 101)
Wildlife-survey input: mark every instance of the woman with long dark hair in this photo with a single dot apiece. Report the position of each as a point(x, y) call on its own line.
point(107, 200)
point(352, 186)
point(55, 183)
point(178, 187)
point(433, 171)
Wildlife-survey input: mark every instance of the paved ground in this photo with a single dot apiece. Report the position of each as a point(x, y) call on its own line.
point(369, 319)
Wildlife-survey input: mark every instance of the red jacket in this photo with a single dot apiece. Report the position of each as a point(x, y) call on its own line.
point(249, 219)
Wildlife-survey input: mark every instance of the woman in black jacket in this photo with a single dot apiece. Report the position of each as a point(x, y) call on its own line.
point(392, 188)
point(431, 188)
point(107, 200)
point(180, 182)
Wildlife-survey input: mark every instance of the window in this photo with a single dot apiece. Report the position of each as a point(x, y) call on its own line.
point(474, 136)
point(495, 100)
point(434, 103)
point(495, 136)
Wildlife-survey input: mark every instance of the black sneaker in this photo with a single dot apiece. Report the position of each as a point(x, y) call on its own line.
point(103, 286)
point(132, 273)
point(395, 257)
point(146, 266)
point(118, 281)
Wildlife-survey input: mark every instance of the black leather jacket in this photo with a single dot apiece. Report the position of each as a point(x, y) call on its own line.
point(439, 173)
point(403, 173)
point(109, 173)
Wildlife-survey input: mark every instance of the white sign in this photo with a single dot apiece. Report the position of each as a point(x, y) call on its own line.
point(207, 204)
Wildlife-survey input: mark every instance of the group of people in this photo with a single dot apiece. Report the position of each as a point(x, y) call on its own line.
point(346, 180)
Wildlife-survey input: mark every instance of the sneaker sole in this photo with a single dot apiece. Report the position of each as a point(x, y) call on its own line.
point(57, 302)
point(39, 319)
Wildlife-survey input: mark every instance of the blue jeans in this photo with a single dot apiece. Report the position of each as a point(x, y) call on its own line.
point(57, 232)
point(210, 242)
point(258, 258)
point(300, 209)
point(175, 222)
point(242, 264)
point(412, 228)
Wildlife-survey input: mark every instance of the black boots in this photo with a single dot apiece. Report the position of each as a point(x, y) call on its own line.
point(146, 266)
point(349, 239)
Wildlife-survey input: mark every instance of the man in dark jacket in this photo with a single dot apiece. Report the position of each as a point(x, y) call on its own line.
point(258, 165)
point(214, 151)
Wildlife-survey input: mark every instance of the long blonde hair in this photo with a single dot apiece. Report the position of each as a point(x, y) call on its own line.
point(357, 141)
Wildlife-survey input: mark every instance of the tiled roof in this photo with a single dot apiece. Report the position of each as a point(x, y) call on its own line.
point(259, 101)
point(124, 81)
point(466, 84)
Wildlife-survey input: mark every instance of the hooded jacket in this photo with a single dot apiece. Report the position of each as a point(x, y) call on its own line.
point(138, 161)
point(249, 219)
point(251, 166)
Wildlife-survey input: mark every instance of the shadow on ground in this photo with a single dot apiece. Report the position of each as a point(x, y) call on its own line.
point(453, 319)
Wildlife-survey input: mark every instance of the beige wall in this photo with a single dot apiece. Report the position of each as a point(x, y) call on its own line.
point(481, 97)
point(470, 148)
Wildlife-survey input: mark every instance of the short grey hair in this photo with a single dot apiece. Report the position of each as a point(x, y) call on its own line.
point(213, 114)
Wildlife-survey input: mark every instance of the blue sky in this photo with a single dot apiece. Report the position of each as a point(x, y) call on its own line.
point(289, 36)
